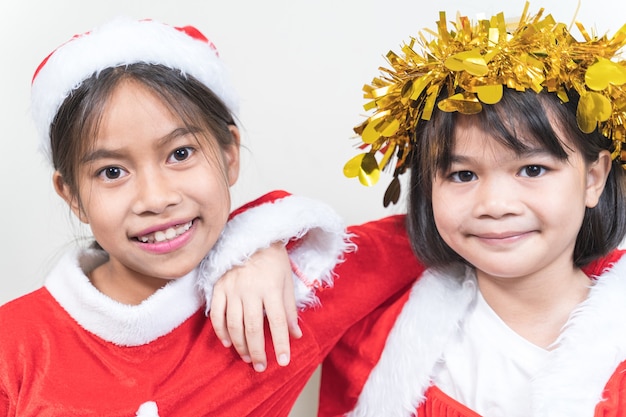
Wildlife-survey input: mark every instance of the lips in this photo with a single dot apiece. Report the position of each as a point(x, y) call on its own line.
point(166, 234)
point(505, 237)
point(494, 236)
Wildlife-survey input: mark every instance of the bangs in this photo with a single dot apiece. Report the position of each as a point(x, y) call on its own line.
point(508, 122)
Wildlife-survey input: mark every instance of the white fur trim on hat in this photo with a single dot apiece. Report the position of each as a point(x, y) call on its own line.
point(123, 41)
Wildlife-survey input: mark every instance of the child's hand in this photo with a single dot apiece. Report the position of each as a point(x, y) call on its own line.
point(242, 295)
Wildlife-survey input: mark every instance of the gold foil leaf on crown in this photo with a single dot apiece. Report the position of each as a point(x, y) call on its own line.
point(471, 63)
point(604, 73)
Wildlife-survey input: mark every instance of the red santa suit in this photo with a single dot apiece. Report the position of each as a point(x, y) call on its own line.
point(387, 364)
point(68, 350)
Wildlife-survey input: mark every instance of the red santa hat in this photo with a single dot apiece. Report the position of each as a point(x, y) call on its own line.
point(124, 41)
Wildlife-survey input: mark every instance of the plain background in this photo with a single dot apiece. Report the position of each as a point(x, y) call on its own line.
point(298, 66)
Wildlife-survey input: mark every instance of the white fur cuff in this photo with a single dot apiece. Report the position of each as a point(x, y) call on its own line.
point(321, 234)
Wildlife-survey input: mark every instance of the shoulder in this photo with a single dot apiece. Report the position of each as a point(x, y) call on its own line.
point(388, 231)
point(26, 305)
point(25, 323)
point(391, 224)
point(22, 314)
point(385, 242)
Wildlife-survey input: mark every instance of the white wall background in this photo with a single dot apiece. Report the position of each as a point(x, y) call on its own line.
point(299, 67)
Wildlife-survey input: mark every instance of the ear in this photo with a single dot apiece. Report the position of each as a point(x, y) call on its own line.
point(63, 190)
point(597, 173)
point(231, 156)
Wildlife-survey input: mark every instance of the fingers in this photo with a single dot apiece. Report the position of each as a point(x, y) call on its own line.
point(243, 294)
point(236, 328)
point(217, 314)
point(282, 315)
point(227, 318)
point(291, 310)
point(240, 324)
point(243, 326)
point(254, 337)
point(278, 324)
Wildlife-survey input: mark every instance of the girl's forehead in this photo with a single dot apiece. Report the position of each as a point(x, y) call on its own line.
point(131, 101)
point(514, 132)
point(492, 120)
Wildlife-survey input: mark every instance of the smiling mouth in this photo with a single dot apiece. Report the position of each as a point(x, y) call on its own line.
point(167, 234)
point(503, 237)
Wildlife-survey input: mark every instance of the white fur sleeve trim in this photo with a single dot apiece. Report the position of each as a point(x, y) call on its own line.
point(322, 242)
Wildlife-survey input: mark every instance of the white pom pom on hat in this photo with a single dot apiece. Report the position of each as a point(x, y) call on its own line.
point(124, 41)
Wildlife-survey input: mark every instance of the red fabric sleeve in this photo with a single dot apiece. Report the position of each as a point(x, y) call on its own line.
point(346, 369)
point(368, 283)
point(382, 266)
point(266, 198)
point(4, 404)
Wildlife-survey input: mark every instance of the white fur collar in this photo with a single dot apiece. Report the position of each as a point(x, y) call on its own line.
point(591, 346)
point(122, 324)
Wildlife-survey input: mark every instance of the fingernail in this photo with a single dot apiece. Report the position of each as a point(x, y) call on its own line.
point(226, 343)
point(259, 367)
point(283, 359)
point(246, 358)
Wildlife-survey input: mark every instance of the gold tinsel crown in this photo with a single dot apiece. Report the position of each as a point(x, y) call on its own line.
point(479, 60)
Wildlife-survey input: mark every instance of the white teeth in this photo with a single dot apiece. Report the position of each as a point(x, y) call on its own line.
point(167, 234)
point(171, 233)
point(160, 236)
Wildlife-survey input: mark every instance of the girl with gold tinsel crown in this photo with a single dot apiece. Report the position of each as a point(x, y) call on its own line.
point(516, 206)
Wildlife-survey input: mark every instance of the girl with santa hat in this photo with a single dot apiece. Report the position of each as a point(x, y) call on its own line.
point(138, 119)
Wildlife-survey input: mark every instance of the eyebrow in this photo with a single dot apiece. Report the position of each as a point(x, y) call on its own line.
point(529, 152)
point(102, 153)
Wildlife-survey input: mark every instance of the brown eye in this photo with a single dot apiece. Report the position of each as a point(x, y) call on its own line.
point(181, 154)
point(111, 173)
point(463, 176)
point(533, 171)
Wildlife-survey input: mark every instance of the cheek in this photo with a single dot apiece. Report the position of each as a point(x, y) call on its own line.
point(443, 222)
point(214, 191)
point(449, 212)
point(443, 216)
point(443, 201)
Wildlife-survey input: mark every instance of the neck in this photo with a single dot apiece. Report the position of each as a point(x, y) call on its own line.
point(116, 284)
point(536, 307)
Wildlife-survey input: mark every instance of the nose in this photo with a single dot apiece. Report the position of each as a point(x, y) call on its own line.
point(497, 197)
point(155, 192)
